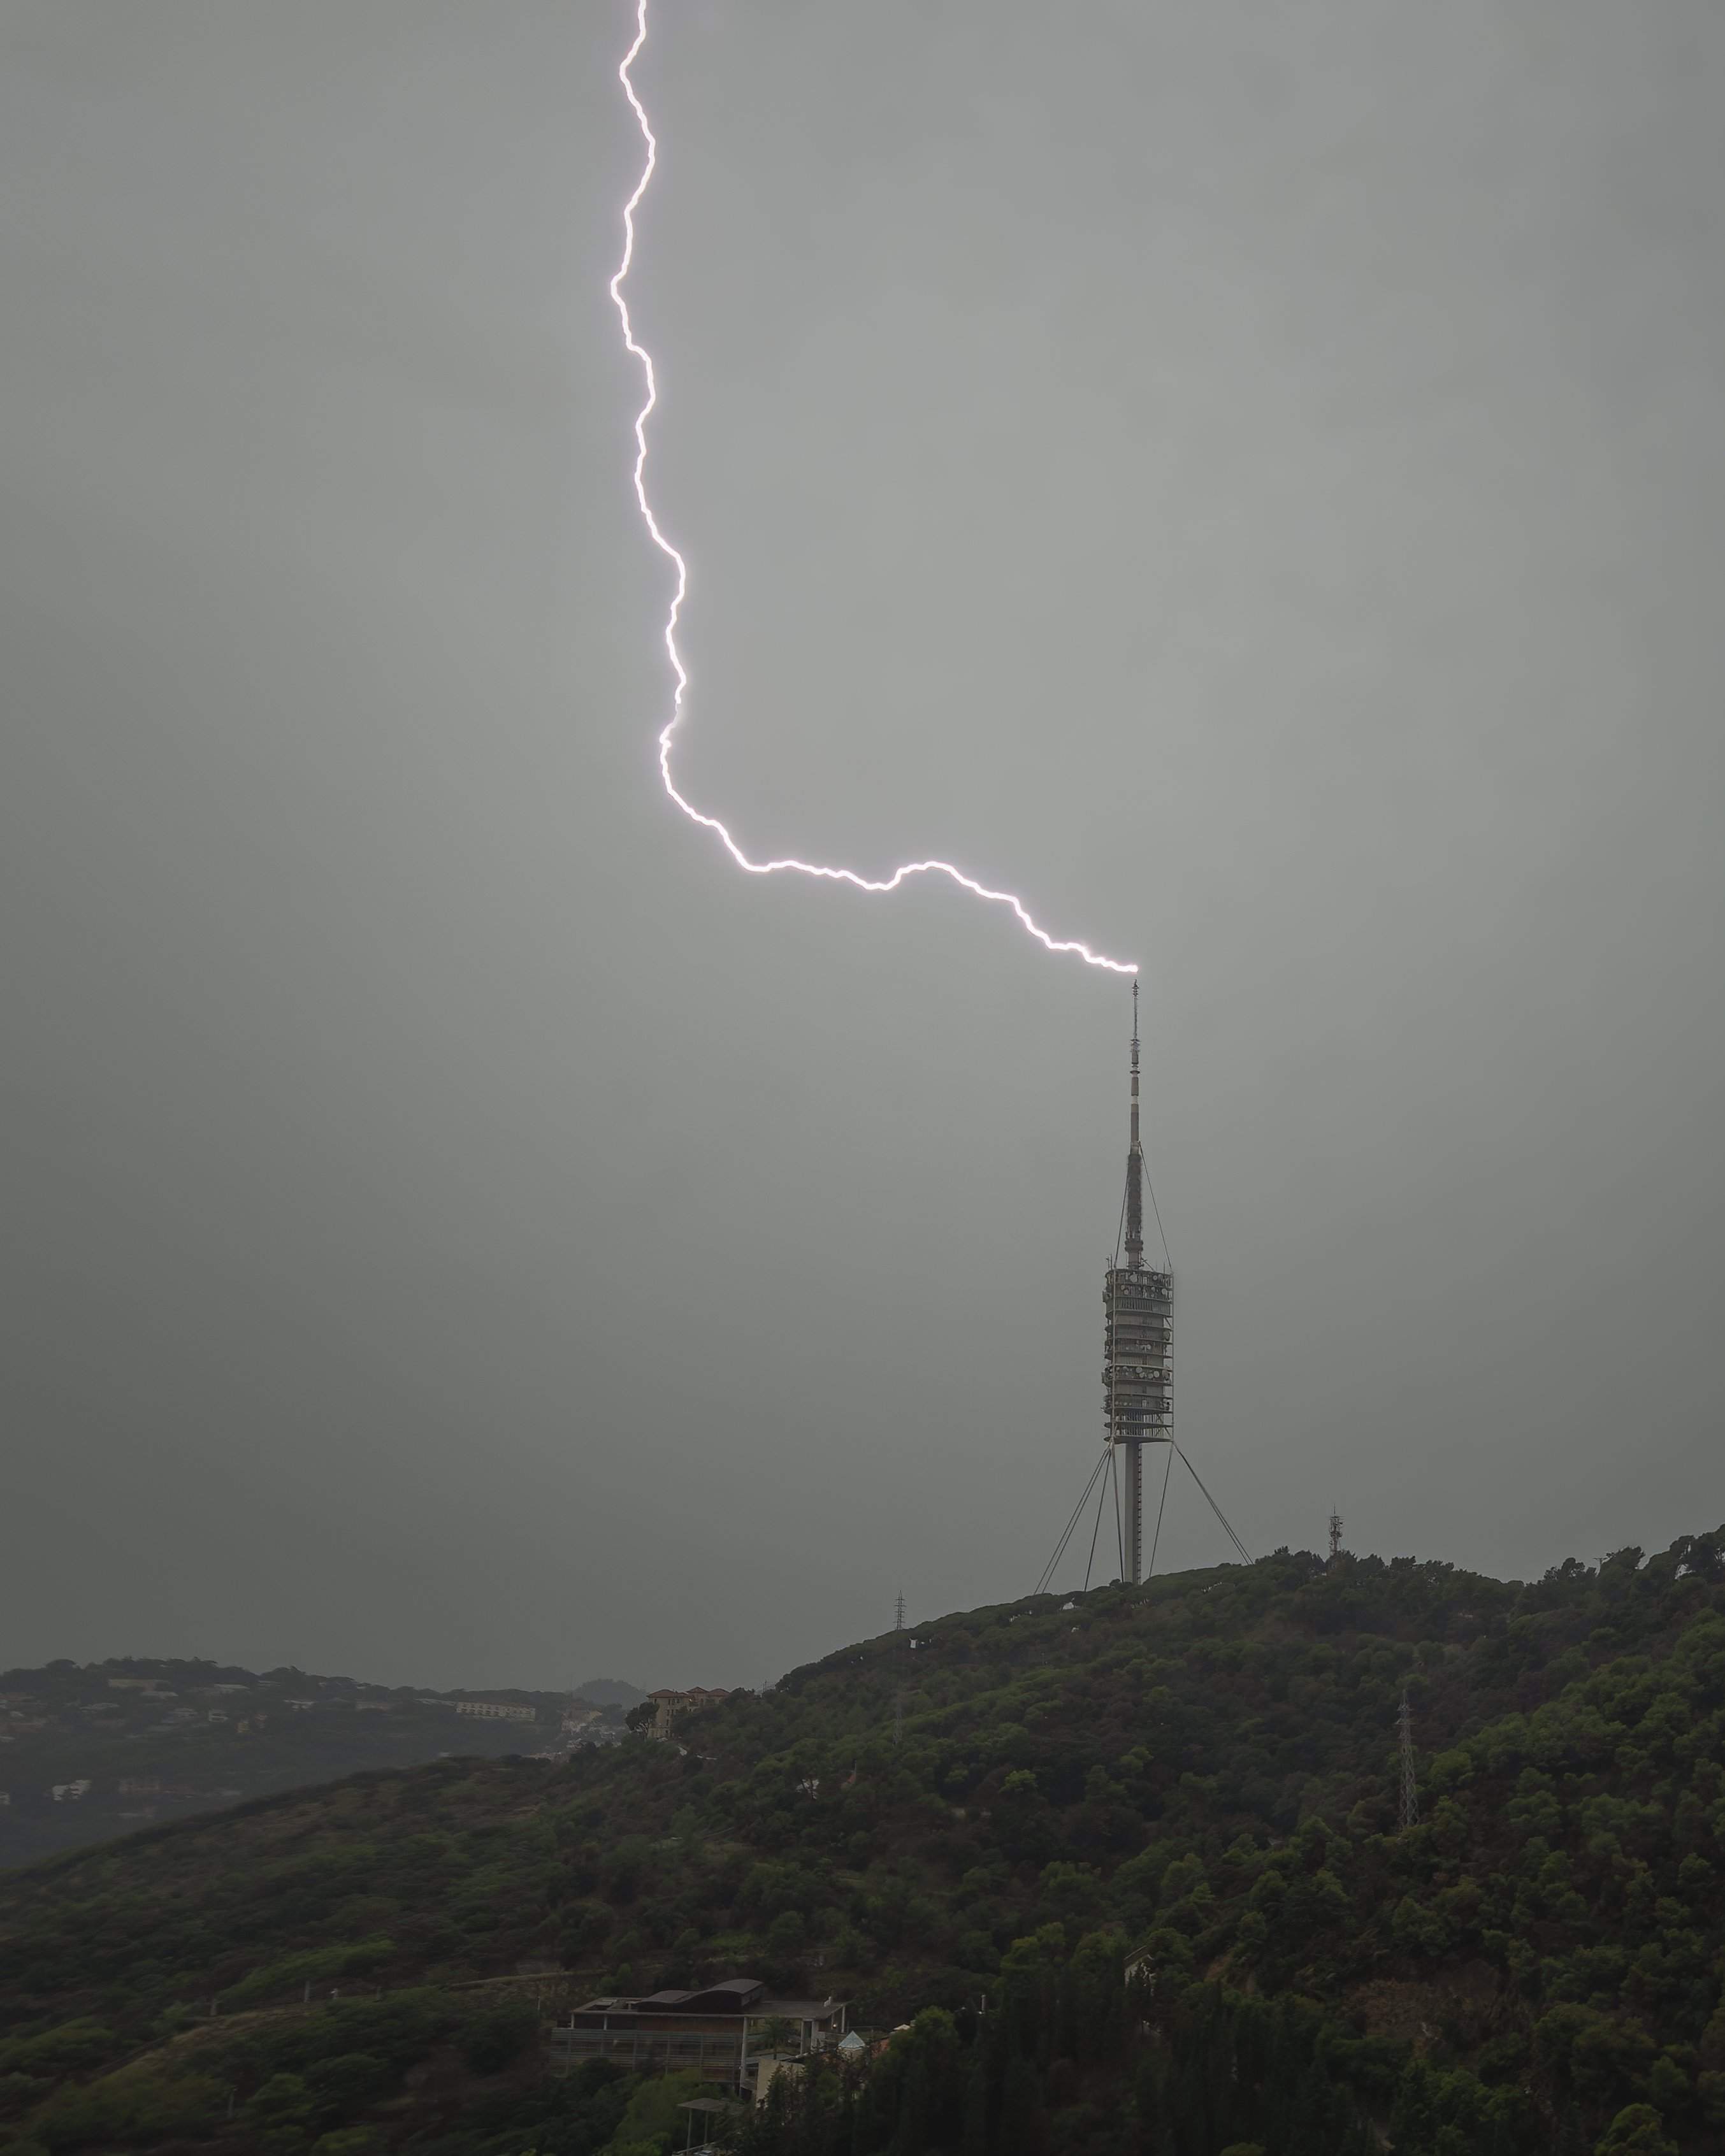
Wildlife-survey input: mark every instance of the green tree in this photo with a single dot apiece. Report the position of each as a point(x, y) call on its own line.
point(1637, 2130)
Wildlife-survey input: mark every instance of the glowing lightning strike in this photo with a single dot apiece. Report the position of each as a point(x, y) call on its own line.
point(696, 815)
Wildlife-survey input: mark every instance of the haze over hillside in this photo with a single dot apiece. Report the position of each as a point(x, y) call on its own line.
point(610, 1691)
point(89, 1750)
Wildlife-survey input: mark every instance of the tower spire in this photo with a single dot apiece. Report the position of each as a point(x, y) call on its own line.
point(1135, 1163)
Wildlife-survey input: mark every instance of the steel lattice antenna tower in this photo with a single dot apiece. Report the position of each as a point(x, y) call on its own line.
point(1335, 1536)
point(1410, 1787)
point(1136, 1383)
point(898, 1612)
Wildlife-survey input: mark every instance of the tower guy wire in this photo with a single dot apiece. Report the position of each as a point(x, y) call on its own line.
point(1246, 1555)
point(1060, 1547)
point(1167, 1469)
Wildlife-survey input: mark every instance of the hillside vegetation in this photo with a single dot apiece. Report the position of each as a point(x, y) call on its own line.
point(1156, 1831)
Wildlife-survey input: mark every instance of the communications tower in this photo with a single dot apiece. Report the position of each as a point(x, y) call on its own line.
point(1136, 1383)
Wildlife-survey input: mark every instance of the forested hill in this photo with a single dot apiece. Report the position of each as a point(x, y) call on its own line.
point(1011, 1802)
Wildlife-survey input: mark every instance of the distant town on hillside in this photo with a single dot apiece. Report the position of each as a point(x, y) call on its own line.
point(94, 1749)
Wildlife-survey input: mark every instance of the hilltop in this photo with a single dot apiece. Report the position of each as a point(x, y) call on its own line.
point(1199, 1778)
point(610, 1691)
point(92, 1750)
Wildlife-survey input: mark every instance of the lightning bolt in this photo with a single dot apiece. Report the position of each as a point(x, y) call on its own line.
point(680, 673)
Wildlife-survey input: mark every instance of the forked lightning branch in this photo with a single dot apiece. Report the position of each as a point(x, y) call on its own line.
point(680, 589)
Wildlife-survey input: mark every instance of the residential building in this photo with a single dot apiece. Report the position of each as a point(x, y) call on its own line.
point(706, 2031)
point(496, 1710)
point(670, 1704)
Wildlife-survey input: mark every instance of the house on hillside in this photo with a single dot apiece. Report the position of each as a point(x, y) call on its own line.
point(706, 2031)
point(496, 1710)
point(668, 1705)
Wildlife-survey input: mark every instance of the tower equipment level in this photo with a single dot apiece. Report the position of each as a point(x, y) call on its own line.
point(1136, 1381)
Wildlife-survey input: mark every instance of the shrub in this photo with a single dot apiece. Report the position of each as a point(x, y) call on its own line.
point(317, 1966)
point(498, 2035)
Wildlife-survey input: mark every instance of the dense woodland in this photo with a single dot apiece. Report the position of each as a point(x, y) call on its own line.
point(1128, 1866)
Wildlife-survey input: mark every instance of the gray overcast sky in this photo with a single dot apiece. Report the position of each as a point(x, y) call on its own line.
point(1248, 476)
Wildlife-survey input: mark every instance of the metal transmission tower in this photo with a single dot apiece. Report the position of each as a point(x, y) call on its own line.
point(1136, 1380)
point(1410, 1787)
point(1335, 1537)
point(1136, 1385)
point(898, 1612)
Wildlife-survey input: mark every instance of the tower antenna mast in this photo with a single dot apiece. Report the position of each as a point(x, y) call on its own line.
point(1135, 1163)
